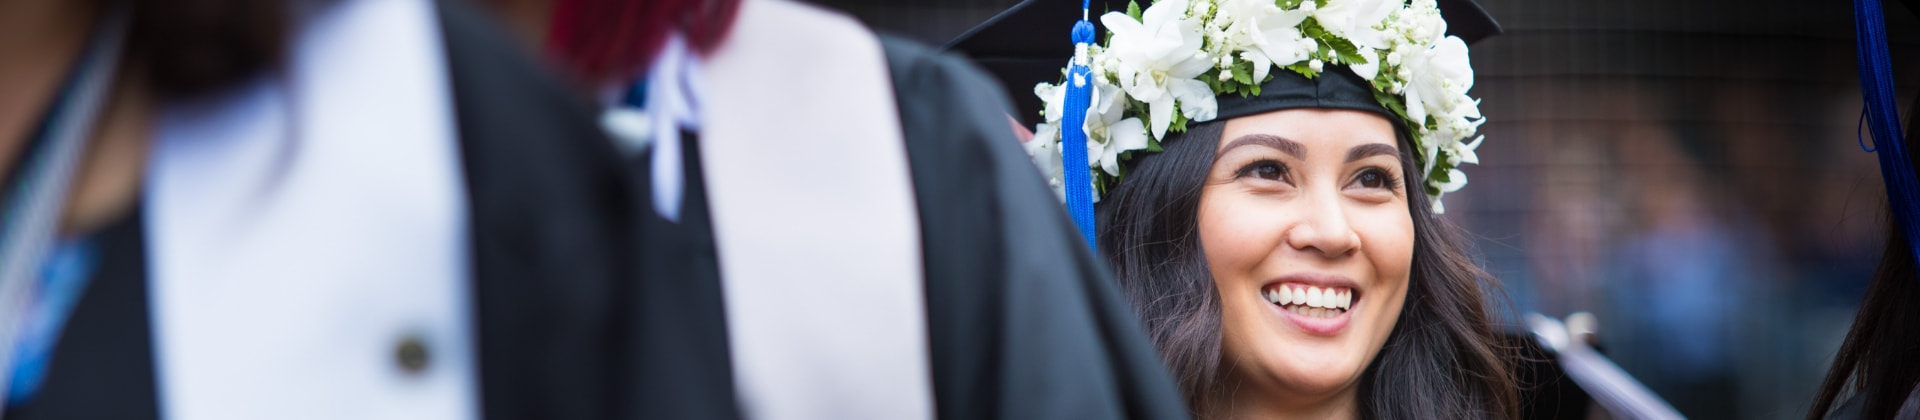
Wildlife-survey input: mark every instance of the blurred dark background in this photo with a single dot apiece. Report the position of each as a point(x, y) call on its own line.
point(1685, 170)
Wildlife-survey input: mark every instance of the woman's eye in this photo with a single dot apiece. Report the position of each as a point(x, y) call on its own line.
point(1266, 169)
point(1374, 178)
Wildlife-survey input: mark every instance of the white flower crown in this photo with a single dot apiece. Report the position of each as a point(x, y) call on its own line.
point(1180, 54)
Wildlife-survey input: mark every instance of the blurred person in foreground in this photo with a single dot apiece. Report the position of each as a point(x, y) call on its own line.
point(838, 225)
point(250, 209)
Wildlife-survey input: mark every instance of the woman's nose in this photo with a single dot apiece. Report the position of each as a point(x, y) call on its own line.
point(1323, 228)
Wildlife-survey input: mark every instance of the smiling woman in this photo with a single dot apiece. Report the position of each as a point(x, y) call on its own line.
point(1296, 220)
point(1230, 240)
point(1277, 232)
point(1268, 177)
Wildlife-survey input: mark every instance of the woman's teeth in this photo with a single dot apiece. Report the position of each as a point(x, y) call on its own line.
point(1311, 300)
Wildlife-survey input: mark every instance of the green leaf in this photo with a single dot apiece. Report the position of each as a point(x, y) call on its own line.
point(1242, 75)
point(1303, 70)
point(1393, 103)
point(1312, 29)
point(1133, 10)
point(1344, 50)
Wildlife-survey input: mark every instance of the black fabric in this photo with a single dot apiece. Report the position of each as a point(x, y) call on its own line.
point(1546, 393)
point(1467, 20)
point(102, 366)
point(551, 225)
point(1336, 88)
point(1024, 323)
point(680, 355)
point(1033, 40)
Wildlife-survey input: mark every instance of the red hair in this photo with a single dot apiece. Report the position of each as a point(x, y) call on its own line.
point(613, 40)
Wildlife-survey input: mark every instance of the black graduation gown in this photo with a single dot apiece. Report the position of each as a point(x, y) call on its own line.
point(1024, 322)
point(551, 233)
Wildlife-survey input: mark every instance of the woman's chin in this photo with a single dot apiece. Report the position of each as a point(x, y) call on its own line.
point(1314, 368)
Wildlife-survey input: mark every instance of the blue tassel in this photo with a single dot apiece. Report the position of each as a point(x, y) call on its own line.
point(1073, 133)
point(1876, 86)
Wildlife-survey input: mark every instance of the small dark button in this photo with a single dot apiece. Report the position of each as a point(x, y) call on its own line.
point(412, 355)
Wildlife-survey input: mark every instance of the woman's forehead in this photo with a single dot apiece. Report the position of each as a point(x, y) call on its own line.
point(1305, 129)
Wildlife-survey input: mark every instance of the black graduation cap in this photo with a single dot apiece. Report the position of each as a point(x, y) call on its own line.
point(1030, 43)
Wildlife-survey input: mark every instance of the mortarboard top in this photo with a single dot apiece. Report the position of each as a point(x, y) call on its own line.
point(1029, 43)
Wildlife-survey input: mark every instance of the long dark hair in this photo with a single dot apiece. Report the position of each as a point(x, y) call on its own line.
point(1443, 358)
point(1879, 352)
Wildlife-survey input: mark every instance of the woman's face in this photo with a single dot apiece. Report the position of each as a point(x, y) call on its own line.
point(1305, 223)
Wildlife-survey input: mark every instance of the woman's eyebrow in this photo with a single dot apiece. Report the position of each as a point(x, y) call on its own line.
point(1370, 150)
point(1289, 147)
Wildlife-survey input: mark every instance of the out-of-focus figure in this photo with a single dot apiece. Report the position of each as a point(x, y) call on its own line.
point(248, 209)
point(839, 225)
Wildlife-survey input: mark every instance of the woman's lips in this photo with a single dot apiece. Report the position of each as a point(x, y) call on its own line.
point(1313, 308)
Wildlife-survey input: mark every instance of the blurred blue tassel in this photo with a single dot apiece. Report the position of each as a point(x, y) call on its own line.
point(1876, 86)
point(1073, 132)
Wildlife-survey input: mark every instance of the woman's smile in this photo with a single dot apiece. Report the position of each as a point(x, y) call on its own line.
point(1316, 304)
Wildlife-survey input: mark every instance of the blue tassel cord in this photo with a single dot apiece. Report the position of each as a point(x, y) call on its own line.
point(1876, 86)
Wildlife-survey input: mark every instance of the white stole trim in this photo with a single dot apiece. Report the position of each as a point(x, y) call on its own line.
point(302, 227)
point(814, 219)
point(673, 103)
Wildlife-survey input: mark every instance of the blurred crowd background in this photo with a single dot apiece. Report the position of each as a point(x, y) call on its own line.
point(1686, 171)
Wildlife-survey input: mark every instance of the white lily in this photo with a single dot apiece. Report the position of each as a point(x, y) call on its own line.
point(1465, 152)
point(1455, 181)
point(1110, 131)
point(1355, 20)
point(1054, 96)
point(1044, 148)
point(1268, 35)
point(1158, 58)
point(1369, 69)
point(1440, 77)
